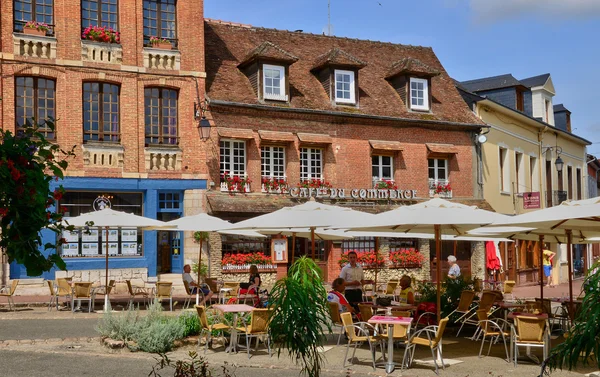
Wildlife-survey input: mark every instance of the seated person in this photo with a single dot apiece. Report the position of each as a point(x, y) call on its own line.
point(253, 285)
point(194, 286)
point(407, 294)
point(337, 295)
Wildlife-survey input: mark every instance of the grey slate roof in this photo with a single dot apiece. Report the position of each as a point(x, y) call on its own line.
point(534, 81)
point(489, 83)
point(560, 108)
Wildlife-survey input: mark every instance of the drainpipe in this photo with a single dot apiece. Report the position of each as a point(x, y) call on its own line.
point(541, 143)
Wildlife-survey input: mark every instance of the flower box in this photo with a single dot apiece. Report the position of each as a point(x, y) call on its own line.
point(163, 46)
point(364, 258)
point(101, 34)
point(406, 266)
point(36, 32)
point(245, 268)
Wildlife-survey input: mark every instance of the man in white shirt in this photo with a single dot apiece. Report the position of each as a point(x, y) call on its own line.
point(354, 277)
point(194, 286)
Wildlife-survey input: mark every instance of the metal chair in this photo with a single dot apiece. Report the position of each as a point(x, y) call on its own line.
point(494, 331)
point(191, 296)
point(487, 303)
point(102, 290)
point(135, 291)
point(258, 327)
point(206, 327)
point(82, 291)
point(352, 329)
point(464, 308)
point(508, 288)
point(336, 320)
point(433, 341)
point(229, 290)
point(164, 291)
point(9, 292)
point(63, 289)
point(530, 332)
point(366, 312)
point(53, 297)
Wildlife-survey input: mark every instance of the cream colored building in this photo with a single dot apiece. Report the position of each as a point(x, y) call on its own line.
point(518, 161)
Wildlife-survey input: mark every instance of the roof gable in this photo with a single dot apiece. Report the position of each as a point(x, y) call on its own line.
point(268, 51)
point(544, 81)
point(411, 66)
point(490, 83)
point(338, 57)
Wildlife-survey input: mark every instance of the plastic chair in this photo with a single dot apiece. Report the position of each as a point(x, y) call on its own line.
point(433, 341)
point(336, 320)
point(258, 327)
point(9, 293)
point(82, 291)
point(206, 327)
point(164, 290)
point(352, 329)
point(135, 291)
point(494, 331)
point(530, 332)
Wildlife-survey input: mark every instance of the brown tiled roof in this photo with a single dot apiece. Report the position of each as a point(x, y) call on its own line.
point(235, 133)
point(442, 148)
point(276, 136)
point(410, 65)
point(386, 145)
point(338, 57)
point(227, 45)
point(315, 138)
point(268, 50)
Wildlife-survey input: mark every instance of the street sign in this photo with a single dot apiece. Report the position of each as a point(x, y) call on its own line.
point(531, 200)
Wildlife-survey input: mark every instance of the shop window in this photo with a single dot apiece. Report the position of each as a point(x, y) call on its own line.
point(33, 10)
point(101, 117)
point(160, 20)
point(169, 202)
point(103, 13)
point(358, 244)
point(161, 116)
point(35, 100)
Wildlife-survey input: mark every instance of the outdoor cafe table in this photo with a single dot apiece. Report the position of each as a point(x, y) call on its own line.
point(390, 365)
point(235, 309)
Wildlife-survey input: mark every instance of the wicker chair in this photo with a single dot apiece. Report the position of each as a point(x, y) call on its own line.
point(104, 290)
point(135, 291)
point(400, 331)
point(508, 288)
point(164, 291)
point(364, 330)
point(390, 288)
point(433, 341)
point(464, 308)
point(366, 312)
point(494, 330)
point(206, 327)
point(9, 292)
point(530, 332)
point(257, 328)
point(63, 289)
point(488, 298)
point(191, 296)
point(53, 297)
point(336, 320)
point(82, 292)
point(229, 290)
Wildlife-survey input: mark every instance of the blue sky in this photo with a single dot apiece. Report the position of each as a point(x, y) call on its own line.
point(472, 38)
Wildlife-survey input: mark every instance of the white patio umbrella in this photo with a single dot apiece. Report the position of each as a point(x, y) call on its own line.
point(580, 218)
point(109, 218)
point(436, 215)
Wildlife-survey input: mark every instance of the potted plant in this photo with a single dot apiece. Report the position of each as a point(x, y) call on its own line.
point(314, 183)
point(236, 183)
point(160, 43)
point(274, 184)
point(386, 184)
point(36, 28)
point(101, 34)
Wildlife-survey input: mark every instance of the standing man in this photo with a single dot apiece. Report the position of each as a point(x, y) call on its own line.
point(354, 277)
point(547, 259)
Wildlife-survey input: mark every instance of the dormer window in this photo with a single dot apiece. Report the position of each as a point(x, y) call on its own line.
point(344, 87)
point(419, 94)
point(274, 83)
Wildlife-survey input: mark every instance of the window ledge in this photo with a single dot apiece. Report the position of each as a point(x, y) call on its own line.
point(103, 155)
point(99, 52)
point(34, 46)
point(163, 158)
point(157, 58)
point(505, 193)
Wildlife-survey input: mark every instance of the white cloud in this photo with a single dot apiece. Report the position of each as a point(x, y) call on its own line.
point(493, 10)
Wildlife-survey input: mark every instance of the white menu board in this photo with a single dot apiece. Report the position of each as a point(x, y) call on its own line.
point(129, 248)
point(70, 236)
point(89, 236)
point(70, 250)
point(129, 235)
point(113, 235)
point(89, 249)
point(113, 249)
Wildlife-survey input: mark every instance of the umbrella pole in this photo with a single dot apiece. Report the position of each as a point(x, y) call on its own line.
point(376, 264)
point(542, 268)
point(312, 237)
point(106, 302)
point(569, 261)
point(199, 268)
point(293, 246)
point(438, 257)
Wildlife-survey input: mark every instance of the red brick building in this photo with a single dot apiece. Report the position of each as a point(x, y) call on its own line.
point(127, 106)
point(354, 114)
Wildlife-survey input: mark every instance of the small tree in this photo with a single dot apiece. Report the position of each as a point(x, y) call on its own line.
point(28, 164)
point(300, 312)
point(582, 343)
point(200, 268)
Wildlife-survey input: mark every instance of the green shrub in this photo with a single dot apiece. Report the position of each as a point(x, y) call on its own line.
point(123, 326)
point(158, 336)
point(190, 323)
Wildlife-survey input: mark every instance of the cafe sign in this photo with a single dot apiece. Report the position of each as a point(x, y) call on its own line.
point(531, 200)
point(342, 193)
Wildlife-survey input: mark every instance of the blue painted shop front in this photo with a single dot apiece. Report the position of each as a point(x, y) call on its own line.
point(158, 199)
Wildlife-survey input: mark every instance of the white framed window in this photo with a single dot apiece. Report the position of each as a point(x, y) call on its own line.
point(520, 184)
point(419, 94)
point(272, 161)
point(438, 169)
point(311, 163)
point(232, 154)
point(274, 82)
point(382, 168)
point(534, 174)
point(344, 86)
point(504, 170)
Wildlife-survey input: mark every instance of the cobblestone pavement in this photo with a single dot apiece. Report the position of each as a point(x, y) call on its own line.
point(37, 342)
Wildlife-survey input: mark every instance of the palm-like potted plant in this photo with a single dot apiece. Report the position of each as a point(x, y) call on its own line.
point(160, 43)
point(36, 28)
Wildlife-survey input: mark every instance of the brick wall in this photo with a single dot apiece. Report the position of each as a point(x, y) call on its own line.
point(70, 71)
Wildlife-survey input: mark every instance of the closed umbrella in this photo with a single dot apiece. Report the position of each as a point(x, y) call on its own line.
point(109, 218)
point(437, 216)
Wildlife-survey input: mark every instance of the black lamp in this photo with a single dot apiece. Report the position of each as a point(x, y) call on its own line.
point(203, 123)
point(559, 163)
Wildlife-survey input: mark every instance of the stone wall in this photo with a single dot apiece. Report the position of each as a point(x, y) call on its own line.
point(193, 204)
point(478, 260)
point(99, 275)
